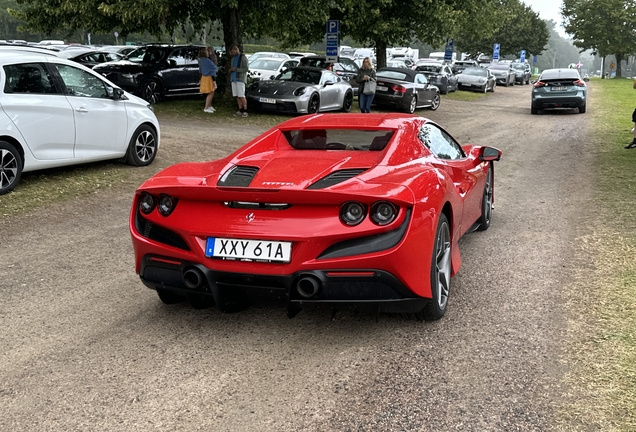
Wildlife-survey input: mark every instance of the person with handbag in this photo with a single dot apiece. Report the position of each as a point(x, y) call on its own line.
point(366, 80)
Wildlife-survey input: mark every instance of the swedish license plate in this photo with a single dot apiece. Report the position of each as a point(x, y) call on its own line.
point(558, 88)
point(381, 88)
point(267, 100)
point(249, 250)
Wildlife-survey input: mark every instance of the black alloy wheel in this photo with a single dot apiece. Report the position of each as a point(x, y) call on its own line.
point(10, 167)
point(151, 91)
point(314, 105)
point(347, 102)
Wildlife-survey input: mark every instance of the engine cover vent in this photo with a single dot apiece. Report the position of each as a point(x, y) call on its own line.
point(336, 177)
point(238, 175)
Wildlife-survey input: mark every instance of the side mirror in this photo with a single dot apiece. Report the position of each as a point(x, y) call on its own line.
point(118, 94)
point(489, 154)
point(172, 63)
point(328, 83)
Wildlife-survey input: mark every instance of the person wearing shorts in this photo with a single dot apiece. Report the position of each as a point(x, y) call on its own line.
point(238, 70)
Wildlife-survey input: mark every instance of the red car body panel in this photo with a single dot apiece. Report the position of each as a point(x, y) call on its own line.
point(405, 173)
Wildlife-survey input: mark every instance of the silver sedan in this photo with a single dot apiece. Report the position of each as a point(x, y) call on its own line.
point(301, 90)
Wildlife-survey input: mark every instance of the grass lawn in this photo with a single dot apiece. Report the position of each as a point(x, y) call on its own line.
point(602, 298)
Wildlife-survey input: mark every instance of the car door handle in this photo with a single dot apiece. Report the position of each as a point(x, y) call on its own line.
point(81, 109)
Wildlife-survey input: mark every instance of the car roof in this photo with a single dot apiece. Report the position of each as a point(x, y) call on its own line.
point(26, 49)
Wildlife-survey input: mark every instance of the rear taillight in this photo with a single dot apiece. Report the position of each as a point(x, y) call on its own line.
point(579, 83)
point(398, 89)
point(540, 84)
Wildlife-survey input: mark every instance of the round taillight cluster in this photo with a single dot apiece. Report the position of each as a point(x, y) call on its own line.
point(165, 204)
point(382, 213)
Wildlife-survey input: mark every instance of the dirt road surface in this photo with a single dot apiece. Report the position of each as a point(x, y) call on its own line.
point(85, 346)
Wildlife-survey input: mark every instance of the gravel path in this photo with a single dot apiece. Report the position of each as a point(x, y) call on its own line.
point(85, 346)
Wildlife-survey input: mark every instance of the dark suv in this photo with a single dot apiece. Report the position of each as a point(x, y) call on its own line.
point(345, 68)
point(522, 72)
point(154, 71)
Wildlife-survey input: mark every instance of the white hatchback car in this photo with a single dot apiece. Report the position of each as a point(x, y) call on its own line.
point(55, 112)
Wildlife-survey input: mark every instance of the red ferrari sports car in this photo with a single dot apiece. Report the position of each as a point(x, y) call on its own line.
point(343, 209)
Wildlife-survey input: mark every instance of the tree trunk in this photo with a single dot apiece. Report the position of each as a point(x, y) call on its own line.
point(380, 53)
point(231, 20)
point(619, 60)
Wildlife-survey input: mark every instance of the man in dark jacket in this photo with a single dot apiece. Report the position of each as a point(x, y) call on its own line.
point(238, 70)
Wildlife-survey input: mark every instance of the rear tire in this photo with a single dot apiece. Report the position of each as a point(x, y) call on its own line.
point(412, 105)
point(151, 91)
point(582, 109)
point(435, 103)
point(10, 167)
point(534, 110)
point(142, 149)
point(440, 273)
point(486, 203)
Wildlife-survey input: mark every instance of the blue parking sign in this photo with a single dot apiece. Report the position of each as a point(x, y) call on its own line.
point(495, 52)
point(522, 56)
point(333, 26)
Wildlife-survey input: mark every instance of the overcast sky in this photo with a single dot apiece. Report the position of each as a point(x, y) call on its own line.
point(548, 9)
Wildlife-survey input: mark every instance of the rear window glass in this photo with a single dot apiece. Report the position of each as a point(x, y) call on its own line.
point(28, 78)
point(560, 73)
point(392, 75)
point(338, 139)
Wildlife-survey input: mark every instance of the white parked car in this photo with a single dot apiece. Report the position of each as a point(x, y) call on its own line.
point(56, 112)
point(263, 54)
point(268, 68)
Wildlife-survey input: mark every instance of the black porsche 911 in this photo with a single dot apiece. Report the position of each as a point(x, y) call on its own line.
point(405, 89)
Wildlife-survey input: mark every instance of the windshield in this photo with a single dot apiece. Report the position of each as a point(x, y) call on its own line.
point(301, 75)
point(338, 139)
point(475, 71)
point(498, 66)
point(146, 54)
point(520, 67)
point(429, 68)
point(266, 64)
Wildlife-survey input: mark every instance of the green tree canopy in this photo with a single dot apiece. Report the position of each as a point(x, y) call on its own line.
point(604, 26)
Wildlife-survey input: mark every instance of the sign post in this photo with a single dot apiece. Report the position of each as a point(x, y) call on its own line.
point(448, 52)
point(333, 34)
point(495, 52)
point(116, 38)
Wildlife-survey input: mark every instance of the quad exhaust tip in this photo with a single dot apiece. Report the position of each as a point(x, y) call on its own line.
point(308, 286)
point(193, 278)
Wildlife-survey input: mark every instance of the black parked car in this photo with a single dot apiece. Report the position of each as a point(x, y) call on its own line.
point(154, 71)
point(522, 73)
point(405, 89)
point(439, 74)
point(89, 57)
point(345, 68)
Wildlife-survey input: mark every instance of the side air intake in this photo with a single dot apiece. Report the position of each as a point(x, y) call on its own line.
point(336, 177)
point(240, 176)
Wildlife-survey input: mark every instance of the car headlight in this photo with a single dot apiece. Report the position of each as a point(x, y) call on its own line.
point(253, 86)
point(352, 213)
point(147, 203)
point(299, 91)
point(482, 80)
point(166, 205)
point(383, 213)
